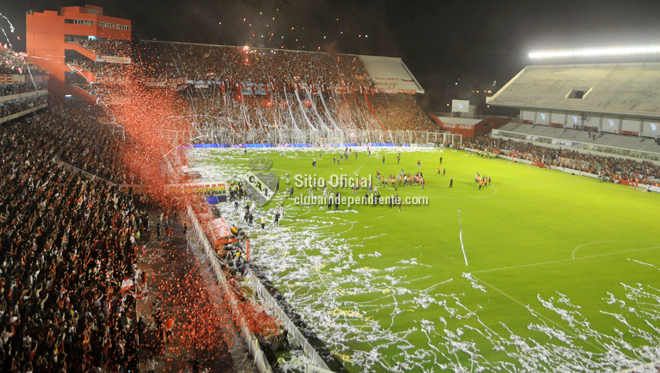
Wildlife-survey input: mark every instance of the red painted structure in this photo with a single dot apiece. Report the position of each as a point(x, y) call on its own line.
point(480, 128)
point(47, 32)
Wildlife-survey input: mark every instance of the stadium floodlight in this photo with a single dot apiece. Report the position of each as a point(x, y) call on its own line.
point(609, 51)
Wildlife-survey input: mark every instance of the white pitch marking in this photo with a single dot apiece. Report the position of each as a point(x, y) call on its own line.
point(460, 236)
point(591, 243)
point(565, 260)
point(520, 303)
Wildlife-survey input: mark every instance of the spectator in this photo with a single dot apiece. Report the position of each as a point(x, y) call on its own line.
point(59, 278)
point(610, 167)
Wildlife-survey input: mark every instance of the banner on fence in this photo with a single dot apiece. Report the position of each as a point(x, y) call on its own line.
point(212, 187)
point(627, 182)
point(11, 78)
point(111, 80)
point(113, 59)
point(220, 228)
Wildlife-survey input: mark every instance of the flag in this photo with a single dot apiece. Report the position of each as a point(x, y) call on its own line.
point(143, 294)
point(126, 284)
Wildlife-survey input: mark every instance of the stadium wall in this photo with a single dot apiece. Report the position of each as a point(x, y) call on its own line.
point(582, 147)
point(640, 126)
point(469, 128)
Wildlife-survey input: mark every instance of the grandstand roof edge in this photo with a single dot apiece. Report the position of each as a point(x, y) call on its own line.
point(593, 65)
point(421, 89)
point(490, 99)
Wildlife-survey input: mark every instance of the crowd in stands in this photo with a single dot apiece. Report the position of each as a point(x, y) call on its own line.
point(92, 89)
point(8, 108)
point(81, 136)
point(16, 63)
point(12, 89)
point(609, 167)
point(252, 69)
point(107, 47)
point(248, 65)
point(60, 303)
point(99, 69)
point(401, 113)
point(350, 113)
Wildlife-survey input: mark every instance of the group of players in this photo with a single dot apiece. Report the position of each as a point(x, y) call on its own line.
point(483, 181)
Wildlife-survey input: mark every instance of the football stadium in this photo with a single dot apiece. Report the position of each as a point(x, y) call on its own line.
point(173, 206)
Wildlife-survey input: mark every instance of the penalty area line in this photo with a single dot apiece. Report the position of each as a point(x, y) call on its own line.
point(595, 242)
point(565, 260)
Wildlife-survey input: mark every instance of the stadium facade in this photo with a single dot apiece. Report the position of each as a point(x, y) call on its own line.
point(51, 35)
point(617, 98)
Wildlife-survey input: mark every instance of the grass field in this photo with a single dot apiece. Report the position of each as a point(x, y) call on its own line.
point(563, 271)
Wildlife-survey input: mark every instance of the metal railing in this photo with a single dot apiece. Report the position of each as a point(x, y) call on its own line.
point(260, 290)
point(299, 339)
point(251, 341)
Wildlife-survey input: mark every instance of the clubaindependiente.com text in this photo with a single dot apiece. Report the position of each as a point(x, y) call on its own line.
point(349, 201)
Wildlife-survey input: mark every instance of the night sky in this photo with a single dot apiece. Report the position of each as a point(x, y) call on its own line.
point(478, 42)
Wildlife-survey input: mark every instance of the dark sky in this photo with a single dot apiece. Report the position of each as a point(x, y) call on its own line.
point(477, 42)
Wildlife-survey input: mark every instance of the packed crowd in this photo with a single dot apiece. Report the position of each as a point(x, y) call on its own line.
point(328, 113)
point(99, 69)
point(265, 111)
point(16, 63)
point(609, 167)
point(250, 66)
point(8, 108)
point(81, 137)
point(12, 89)
point(107, 47)
point(401, 113)
point(61, 308)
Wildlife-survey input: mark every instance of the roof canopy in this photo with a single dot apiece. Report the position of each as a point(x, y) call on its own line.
point(620, 89)
point(390, 73)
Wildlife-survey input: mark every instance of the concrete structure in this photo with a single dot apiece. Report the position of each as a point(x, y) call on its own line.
point(391, 74)
point(50, 34)
point(617, 98)
point(469, 127)
point(607, 143)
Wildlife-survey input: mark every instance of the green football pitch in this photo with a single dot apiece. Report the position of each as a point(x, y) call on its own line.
point(563, 271)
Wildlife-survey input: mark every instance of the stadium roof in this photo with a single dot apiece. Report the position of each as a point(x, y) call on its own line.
point(620, 89)
point(390, 73)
